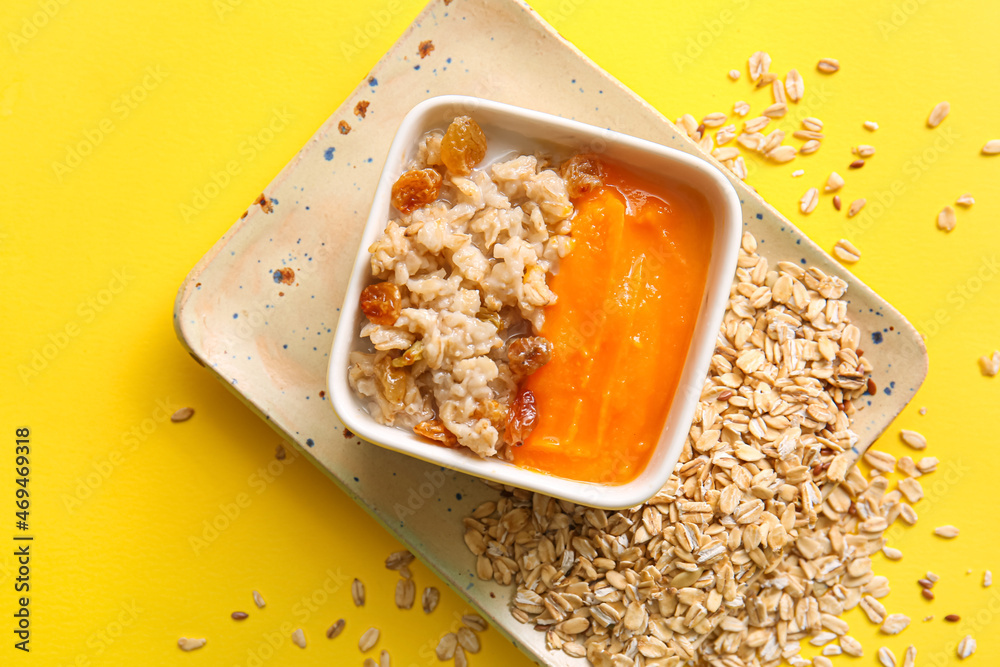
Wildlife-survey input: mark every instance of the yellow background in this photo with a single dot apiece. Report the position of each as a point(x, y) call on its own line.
point(93, 250)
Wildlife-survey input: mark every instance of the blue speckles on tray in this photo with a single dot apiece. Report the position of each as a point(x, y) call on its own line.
point(458, 496)
point(372, 81)
point(328, 153)
point(760, 216)
point(309, 441)
point(877, 337)
point(235, 315)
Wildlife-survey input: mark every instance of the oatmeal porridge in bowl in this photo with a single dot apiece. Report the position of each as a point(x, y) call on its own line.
point(535, 301)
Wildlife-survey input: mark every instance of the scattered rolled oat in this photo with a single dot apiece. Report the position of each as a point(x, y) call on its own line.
point(468, 640)
point(938, 114)
point(734, 74)
point(369, 662)
point(714, 119)
point(810, 146)
point(851, 646)
point(946, 219)
point(812, 124)
point(846, 252)
point(182, 415)
point(778, 90)
point(991, 147)
point(856, 207)
point(384, 659)
point(191, 644)
point(755, 124)
point(358, 593)
point(334, 630)
point(892, 553)
point(460, 659)
point(794, 85)
point(987, 579)
point(871, 125)
point(474, 622)
point(808, 134)
point(910, 657)
point(833, 182)
point(798, 172)
point(368, 639)
point(446, 647)
point(758, 63)
point(776, 110)
point(822, 661)
point(990, 365)
point(863, 150)
point(741, 108)
point(258, 599)
point(894, 624)
point(966, 647)
point(947, 532)
point(911, 488)
point(740, 168)
point(398, 559)
point(807, 204)
point(406, 591)
point(928, 464)
point(725, 135)
point(726, 153)
point(966, 200)
point(299, 638)
point(913, 439)
point(429, 599)
point(922, 411)
point(828, 65)
point(782, 154)
point(886, 657)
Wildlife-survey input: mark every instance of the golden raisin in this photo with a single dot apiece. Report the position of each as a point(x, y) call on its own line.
point(521, 417)
point(415, 188)
point(528, 353)
point(582, 173)
point(391, 380)
point(381, 303)
point(434, 429)
point(412, 355)
point(463, 146)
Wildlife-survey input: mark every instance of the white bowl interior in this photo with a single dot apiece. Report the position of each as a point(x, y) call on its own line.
point(515, 130)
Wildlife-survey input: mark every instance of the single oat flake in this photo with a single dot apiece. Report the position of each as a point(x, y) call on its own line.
point(833, 182)
point(846, 252)
point(794, 86)
point(299, 638)
point(966, 200)
point(828, 65)
point(734, 74)
point(807, 204)
point(191, 644)
point(947, 532)
point(990, 365)
point(946, 219)
point(966, 647)
point(991, 147)
point(856, 207)
point(938, 114)
point(886, 657)
point(759, 63)
point(913, 439)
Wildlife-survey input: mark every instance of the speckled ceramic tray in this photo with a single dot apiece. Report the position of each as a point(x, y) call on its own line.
point(260, 308)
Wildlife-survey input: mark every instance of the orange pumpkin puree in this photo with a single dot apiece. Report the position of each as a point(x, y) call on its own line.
point(629, 295)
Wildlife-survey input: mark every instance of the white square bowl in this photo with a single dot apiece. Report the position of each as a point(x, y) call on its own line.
point(513, 129)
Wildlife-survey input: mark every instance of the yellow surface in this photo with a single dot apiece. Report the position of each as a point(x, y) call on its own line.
point(93, 247)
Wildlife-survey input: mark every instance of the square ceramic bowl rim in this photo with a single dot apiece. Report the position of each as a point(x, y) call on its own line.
point(722, 266)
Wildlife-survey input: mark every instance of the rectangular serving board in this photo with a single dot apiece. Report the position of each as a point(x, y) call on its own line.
point(260, 308)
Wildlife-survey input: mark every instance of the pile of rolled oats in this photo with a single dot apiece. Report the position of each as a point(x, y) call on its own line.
point(761, 538)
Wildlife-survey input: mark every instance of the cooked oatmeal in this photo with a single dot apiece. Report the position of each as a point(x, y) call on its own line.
point(459, 290)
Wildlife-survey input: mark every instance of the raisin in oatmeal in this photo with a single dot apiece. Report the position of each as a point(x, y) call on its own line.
point(460, 290)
